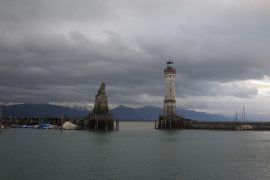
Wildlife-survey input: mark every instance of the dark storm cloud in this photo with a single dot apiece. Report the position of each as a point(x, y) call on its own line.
point(60, 51)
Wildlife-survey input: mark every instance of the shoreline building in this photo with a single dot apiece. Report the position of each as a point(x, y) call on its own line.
point(169, 119)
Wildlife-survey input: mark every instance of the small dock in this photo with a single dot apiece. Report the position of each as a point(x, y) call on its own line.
point(82, 123)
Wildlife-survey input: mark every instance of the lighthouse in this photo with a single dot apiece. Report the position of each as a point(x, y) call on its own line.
point(169, 100)
point(169, 119)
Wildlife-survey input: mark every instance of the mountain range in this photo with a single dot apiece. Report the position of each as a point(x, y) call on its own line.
point(120, 112)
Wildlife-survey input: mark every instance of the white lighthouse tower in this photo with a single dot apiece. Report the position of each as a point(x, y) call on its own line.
point(169, 101)
point(169, 119)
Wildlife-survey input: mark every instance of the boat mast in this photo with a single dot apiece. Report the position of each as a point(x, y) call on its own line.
point(244, 113)
point(62, 119)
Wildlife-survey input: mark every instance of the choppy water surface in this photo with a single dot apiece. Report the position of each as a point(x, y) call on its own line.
point(137, 151)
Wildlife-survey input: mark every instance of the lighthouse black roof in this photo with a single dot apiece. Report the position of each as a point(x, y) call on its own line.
point(169, 62)
point(169, 69)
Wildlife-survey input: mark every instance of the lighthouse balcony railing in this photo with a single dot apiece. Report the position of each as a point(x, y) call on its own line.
point(170, 70)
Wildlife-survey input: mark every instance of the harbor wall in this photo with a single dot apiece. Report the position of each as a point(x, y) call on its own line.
point(181, 123)
point(228, 125)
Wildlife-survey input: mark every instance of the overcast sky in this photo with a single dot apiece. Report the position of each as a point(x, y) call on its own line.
point(59, 51)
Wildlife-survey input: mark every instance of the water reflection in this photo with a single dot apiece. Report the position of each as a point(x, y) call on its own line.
point(137, 151)
point(137, 125)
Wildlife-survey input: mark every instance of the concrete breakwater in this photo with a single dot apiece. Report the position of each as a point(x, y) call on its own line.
point(181, 123)
point(228, 125)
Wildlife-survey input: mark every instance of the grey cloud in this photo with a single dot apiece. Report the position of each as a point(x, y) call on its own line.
point(186, 88)
point(59, 51)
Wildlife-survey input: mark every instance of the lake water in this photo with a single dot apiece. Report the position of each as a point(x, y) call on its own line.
point(137, 151)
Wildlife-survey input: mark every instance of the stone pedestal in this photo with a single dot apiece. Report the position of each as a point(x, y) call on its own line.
point(176, 122)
